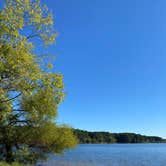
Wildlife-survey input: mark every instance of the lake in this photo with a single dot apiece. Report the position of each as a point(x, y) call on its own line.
point(112, 155)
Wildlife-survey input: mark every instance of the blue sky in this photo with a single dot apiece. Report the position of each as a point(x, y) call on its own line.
point(112, 54)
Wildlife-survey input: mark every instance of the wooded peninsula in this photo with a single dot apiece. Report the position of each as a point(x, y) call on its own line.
point(86, 137)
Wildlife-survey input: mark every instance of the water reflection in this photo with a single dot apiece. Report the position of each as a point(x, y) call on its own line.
point(112, 155)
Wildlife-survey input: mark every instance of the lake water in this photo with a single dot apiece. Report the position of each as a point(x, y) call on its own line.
point(112, 155)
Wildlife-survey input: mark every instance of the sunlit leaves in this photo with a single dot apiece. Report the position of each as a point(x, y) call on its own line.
point(29, 96)
point(20, 14)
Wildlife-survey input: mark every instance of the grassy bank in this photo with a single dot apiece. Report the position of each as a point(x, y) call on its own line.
point(13, 164)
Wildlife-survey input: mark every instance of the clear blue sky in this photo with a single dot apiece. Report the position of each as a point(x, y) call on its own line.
point(113, 57)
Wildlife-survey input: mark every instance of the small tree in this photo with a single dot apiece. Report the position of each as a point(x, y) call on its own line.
point(29, 95)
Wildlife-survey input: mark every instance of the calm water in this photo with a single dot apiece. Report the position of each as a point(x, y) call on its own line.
point(112, 155)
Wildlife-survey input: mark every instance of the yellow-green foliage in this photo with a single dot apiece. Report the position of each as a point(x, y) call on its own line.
point(13, 164)
point(29, 96)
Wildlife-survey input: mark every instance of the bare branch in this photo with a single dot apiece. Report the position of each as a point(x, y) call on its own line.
point(19, 121)
point(19, 110)
point(11, 98)
point(32, 36)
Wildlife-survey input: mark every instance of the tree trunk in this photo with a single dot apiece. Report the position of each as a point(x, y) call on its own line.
point(9, 154)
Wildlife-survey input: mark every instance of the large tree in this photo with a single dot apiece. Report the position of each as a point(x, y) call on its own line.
point(29, 94)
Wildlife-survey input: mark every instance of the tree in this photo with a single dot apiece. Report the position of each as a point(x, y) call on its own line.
point(29, 94)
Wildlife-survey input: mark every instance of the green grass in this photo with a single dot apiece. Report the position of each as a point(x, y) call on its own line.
point(13, 164)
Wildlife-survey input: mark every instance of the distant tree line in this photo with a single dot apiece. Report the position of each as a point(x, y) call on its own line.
point(106, 137)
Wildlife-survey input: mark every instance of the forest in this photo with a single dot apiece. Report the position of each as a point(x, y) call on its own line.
point(86, 137)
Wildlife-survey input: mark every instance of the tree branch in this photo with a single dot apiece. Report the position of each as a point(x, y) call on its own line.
point(3, 101)
point(19, 121)
point(32, 36)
